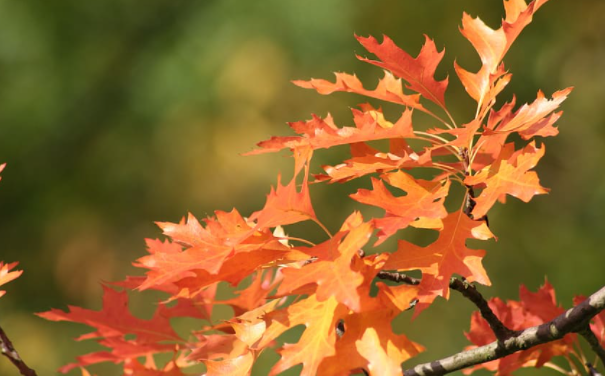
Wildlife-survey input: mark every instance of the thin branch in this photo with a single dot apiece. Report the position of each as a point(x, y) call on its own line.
point(592, 371)
point(573, 320)
point(398, 277)
point(470, 292)
point(9, 351)
point(593, 341)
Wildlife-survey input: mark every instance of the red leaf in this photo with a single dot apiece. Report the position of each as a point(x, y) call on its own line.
point(533, 309)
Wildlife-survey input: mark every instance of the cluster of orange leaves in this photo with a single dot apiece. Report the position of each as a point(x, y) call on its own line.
point(283, 282)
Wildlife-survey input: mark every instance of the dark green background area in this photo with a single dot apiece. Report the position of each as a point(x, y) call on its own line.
point(115, 114)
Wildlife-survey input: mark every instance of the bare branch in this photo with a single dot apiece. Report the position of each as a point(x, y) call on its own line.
point(9, 351)
point(470, 292)
point(573, 320)
point(398, 277)
point(593, 341)
point(592, 371)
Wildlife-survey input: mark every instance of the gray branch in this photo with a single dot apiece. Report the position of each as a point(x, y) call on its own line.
point(7, 349)
point(572, 321)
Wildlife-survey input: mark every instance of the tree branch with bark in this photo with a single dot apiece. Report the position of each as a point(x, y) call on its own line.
point(8, 350)
point(574, 320)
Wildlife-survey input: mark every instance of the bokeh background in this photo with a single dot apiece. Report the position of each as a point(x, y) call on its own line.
point(115, 114)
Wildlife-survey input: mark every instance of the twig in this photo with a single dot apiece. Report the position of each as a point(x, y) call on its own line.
point(398, 277)
point(9, 351)
point(573, 320)
point(470, 292)
point(592, 340)
point(592, 371)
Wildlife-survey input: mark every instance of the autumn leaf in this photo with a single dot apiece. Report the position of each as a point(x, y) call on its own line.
point(149, 368)
point(285, 205)
point(317, 341)
point(367, 160)
point(322, 133)
point(239, 366)
point(532, 309)
point(254, 295)
point(423, 199)
point(369, 343)
point(531, 119)
point(492, 45)
point(389, 88)
point(233, 271)
point(508, 175)
point(207, 249)
point(418, 72)
point(113, 323)
point(5, 269)
point(335, 276)
point(446, 256)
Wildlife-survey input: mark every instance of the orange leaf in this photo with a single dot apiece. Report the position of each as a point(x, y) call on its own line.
point(369, 343)
point(492, 45)
point(424, 199)
point(238, 366)
point(319, 133)
point(318, 339)
point(5, 274)
point(508, 175)
point(336, 276)
point(446, 256)
point(419, 72)
point(367, 160)
point(388, 89)
point(530, 119)
point(285, 205)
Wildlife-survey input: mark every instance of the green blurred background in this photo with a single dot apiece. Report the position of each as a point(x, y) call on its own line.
point(115, 114)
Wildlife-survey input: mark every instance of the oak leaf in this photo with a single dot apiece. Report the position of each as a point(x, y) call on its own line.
point(532, 309)
point(317, 341)
point(423, 199)
point(446, 256)
point(418, 72)
point(113, 323)
point(322, 133)
point(389, 88)
point(492, 45)
point(5, 269)
point(368, 160)
point(369, 343)
point(509, 174)
point(335, 276)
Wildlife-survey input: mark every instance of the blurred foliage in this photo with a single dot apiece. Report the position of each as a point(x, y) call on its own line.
point(114, 114)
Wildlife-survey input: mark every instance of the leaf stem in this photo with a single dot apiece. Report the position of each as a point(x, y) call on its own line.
point(323, 227)
point(297, 240)
point(557, 368)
